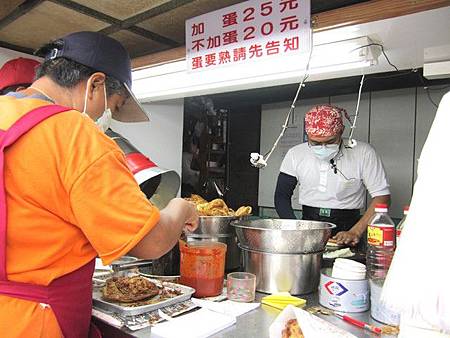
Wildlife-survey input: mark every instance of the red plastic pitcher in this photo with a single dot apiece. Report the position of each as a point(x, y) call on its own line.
point(202, 266)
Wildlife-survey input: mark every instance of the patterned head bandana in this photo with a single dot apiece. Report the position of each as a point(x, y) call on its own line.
point(325, 120)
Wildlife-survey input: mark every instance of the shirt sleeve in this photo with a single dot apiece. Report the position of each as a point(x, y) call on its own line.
point(283, 194)
point(109, 207)
point(288, 165)
point(374, 175)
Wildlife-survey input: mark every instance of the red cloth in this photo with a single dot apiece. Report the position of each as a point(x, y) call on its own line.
point(18, 71)
point(325, 120)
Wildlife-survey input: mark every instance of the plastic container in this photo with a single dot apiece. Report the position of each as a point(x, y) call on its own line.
point(241, 286)
point(402, 222)
point(348, 269)
point(378, 310)
point(380, 243)
point(202, 266)
point(343, 295)
point(380, 251)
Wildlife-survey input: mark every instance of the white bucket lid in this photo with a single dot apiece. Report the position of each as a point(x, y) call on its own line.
point(349, 264)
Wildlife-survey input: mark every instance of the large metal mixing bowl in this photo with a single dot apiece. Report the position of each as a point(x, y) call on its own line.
point(214, 225)
point(283, 236)
point(295, 273)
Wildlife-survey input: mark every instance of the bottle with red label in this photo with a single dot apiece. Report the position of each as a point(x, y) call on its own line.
point(381, 243)
point(402, 222)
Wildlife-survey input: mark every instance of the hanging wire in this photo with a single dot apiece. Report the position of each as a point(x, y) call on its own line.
point(425, 87)
point(352, 128)
point(294, 101)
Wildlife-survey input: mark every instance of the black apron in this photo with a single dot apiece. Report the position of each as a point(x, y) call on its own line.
point(344, 219)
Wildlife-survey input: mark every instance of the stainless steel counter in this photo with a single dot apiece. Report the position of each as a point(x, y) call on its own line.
point(256, 323)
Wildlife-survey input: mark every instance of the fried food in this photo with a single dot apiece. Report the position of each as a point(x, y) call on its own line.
point(390, 330)
point(129, 289)
point(217, 207)
point(197, 199)
point(292, 330)
point(243, 211)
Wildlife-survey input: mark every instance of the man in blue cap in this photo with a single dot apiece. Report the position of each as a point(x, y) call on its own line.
point(66, 193)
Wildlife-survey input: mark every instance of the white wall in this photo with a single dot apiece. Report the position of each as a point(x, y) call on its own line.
point(395, 122)
point(160, 139)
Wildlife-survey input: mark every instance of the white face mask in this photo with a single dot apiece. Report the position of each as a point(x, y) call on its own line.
point(325, 153)
point(104, 121)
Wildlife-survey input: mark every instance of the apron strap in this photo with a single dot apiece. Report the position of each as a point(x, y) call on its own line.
point(7, 138)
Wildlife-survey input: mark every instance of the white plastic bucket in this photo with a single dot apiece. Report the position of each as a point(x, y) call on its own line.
point(344, 295)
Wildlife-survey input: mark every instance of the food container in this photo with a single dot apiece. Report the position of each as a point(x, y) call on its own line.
point(294, 273)
point(217, 228)
point(344, 295)
point(233, 255)
point(378, 310)
point(133, 309)
point(241, 286)
point(202, 266)
point(283, 236)
point(214, 225)
point(348, 269)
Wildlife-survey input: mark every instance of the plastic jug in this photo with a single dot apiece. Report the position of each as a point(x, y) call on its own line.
point(202, 266)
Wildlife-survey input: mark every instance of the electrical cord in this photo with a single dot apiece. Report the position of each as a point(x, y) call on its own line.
point(425, 87)
point(351, 142)
point(294, 101)
point(382, 51)
point(260, 161)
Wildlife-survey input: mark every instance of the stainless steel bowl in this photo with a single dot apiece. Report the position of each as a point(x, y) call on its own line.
point(283, 236)
point(295, 273)
point(214, 225)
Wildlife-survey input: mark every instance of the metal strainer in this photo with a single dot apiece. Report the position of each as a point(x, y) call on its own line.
point(283, 236)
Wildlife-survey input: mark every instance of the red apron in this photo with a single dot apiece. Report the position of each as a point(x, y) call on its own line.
point(70, 296)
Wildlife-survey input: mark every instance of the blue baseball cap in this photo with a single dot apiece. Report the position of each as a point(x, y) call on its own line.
point(103, 54)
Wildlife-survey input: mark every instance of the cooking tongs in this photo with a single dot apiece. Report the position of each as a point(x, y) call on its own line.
point(130, 265)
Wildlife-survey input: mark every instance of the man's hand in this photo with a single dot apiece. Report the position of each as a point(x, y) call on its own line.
point(347, 237)
point(191, 222)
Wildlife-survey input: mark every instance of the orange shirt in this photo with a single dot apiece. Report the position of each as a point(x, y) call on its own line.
point(70, 198)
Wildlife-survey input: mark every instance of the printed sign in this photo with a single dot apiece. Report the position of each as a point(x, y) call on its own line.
point(248, 32)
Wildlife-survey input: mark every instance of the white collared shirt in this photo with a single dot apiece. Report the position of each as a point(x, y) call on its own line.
point(359, 168)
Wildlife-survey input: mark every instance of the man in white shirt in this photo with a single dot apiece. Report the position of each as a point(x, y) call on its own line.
point(332, 177)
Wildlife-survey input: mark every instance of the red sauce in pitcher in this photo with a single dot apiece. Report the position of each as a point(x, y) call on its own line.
point(202, 266)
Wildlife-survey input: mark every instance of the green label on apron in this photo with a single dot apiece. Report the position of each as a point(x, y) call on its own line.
point(325, 212)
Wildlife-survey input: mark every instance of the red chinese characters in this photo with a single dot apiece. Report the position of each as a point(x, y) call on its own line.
point(255, 51)
point(213, 42)
point(197, 29)
point(229, 19)
point(289, 23)
point(291, 44)
point(210, 59)
point(240, 34)
point(198, 44)
point(224, 57)
point(197, 62)
point(239, 54)
point(230, 37)
point(288, 5)
point(273, 47)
